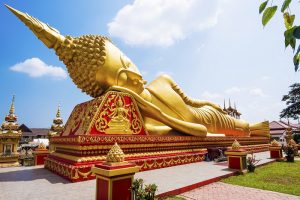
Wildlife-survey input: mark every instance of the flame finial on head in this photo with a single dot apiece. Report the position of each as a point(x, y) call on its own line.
point(48, 35)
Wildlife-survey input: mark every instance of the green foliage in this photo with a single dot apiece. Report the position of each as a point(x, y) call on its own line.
point(292, 100)
point(262, 6)
point(141, 193)
point(173, 198)
point(288, 20)
point(296, 32)
point(296, 137)
point(289, 38)
point(268, 14)
point(292, 32)
point(281, 177)
point(285, 4)
point(296, 59)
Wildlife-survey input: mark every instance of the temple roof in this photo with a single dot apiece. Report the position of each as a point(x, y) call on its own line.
point(33, 131)
point(279, 127)
point(282, 125)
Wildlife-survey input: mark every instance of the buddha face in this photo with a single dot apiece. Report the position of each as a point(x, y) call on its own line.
point(131, 80)
point(119, 70)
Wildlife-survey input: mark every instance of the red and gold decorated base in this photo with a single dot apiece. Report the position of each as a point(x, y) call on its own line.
point(9, 161)
point(94, 127)
point(114, 182)
point(39, 156)
point(74, 156)
point(237, 159)
point(275, 152)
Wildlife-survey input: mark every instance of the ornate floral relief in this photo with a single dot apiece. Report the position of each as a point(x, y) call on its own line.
point(118, 115)
point(81, 117)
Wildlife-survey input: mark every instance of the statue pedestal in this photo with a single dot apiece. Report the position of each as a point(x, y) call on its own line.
point(275, 152)
point(39, 156)
point(113, 182)
point(237, 159)
point(94, 126)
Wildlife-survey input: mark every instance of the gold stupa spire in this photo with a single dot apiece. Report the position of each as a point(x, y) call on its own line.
point(58, 112)
point(10, 124)
point(12, 106)
point(57, 125)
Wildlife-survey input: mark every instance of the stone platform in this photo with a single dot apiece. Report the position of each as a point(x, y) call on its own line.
point(36, 182)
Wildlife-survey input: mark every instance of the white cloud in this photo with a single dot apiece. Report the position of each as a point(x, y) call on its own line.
point(163, 72)
point(233, 90)
point(265, 78)
point(257, 92)
point(210, 95)
point(35, 67)
point(163, 22)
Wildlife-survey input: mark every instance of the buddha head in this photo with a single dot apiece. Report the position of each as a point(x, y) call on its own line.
point(94, 63)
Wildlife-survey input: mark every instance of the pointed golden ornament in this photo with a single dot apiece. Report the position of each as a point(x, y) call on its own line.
point(275, 143)
point(115, 154)
point(235, 145)
point(42, 146)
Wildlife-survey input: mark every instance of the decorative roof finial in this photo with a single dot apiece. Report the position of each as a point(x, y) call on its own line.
point(275, 143)
point(12, 106)
point(58, 111)
point(115, 154)
point(229, 103)
point(57, 125)
point(235, 145)
point(224, 105)
point(10, 124)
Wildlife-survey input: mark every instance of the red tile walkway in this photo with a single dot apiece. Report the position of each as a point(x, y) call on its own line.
point(223, 191)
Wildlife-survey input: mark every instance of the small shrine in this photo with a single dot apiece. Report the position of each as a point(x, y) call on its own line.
point(9, 139)
point(40, 153)
point(57, 126)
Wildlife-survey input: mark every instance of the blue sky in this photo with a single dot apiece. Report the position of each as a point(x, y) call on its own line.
point(214, 50)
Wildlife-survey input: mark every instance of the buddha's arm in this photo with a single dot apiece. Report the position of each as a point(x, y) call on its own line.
point(190, 101)
point(150, 110)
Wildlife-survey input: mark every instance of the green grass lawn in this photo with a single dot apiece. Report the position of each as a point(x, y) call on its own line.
point(281, 177)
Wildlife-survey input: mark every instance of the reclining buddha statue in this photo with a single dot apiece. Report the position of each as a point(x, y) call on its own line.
point(96, 65)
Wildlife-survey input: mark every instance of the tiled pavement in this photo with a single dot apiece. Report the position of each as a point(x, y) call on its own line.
point(223, 191)
point(37, 183)
point(173, 178)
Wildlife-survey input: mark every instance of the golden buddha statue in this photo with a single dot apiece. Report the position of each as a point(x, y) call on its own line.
point(96, 65)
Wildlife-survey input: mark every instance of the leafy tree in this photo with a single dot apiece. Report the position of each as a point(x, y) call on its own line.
point(292, 31)
point(292, 100)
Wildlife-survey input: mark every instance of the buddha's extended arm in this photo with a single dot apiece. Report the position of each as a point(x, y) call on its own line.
point(150, 110)
point(190, 101)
